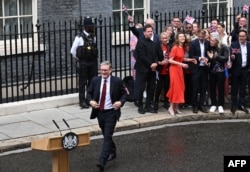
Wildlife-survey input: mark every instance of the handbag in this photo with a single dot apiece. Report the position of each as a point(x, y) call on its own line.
point(217, 68)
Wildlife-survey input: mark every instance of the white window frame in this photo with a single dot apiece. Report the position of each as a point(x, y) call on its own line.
point(217, 2)
point(118, 37)
point(18, 46)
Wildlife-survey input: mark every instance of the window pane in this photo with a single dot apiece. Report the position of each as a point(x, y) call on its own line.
point(223, 5)
point(1, 29)
point(10, 7)
point(139, 3)
point(139, 16)
point(117, 20)
point(128, 3)
point(26, 22)
point(116, 4)
point(223, 9)
point(25, 7)
point(10, 26)
point(213, 10)
point(213, 1)
point(26, 25)
point(1, 9)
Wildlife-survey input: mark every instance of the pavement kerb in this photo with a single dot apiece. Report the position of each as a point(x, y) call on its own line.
point(123, 125)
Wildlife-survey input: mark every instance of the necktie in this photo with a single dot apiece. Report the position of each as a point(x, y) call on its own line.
point(102, 102)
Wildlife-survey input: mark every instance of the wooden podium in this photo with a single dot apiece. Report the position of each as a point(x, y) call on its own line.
point(60, 157)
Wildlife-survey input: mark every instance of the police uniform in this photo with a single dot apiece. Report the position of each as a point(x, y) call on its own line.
point(87, 61)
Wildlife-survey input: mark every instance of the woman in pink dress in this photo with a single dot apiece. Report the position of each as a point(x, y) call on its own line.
point(177, 87)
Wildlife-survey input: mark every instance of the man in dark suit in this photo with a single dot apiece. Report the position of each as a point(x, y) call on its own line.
point(106, 95)
point(198, 50)
point(148, 56)
point(139, 33)
point(240, 56)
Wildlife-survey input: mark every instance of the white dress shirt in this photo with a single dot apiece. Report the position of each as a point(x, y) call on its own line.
point(108, 103)
point(243, 48)
point(202, 47)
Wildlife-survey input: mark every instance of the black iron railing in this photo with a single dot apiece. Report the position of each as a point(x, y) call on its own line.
point(38, 63)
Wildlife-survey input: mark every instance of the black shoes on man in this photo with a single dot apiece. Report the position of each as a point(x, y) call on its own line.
point(242, 108)
point(200, 108)
point(100, 166)
point(149, 109)
point(233, 109)
point(83, 105)
point(110, 158)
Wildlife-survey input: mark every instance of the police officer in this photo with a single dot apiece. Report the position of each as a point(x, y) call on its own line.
point(84, 50)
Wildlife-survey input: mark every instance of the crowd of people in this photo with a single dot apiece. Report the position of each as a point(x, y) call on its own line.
point(190, 66)
point(182, 65)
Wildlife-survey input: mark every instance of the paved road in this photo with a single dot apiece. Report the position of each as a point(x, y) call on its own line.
point(182, 147)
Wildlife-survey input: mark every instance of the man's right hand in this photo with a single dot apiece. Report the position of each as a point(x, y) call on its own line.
point(153, 66)
point(130, 19)
point(238, 17)
point(94, 104)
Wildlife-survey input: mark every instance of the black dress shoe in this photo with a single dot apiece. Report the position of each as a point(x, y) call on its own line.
point(83, 105)
point(136, 103)
point(141, 110)
point(195, 110)
point(100, 166)
point(233, 109)
point(244, 109)
point(156, 106)
point(111, 156)
point(203, 109)
point(150, 109)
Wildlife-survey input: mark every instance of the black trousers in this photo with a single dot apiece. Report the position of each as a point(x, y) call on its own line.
point(148, 81)
point(86, 72)
point(188, 88)
point(107, 122)
point(162, 83)
point(238, 87)
point(199, 83)
point(217, 87)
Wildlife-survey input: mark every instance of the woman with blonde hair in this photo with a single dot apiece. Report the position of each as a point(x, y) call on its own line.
point(163, 74)
point(218, 55)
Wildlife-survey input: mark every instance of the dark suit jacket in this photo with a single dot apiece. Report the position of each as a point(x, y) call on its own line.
point(195, 52)
point(147, 52)
point(237, 62)
point(138, 32)
point(117, 93)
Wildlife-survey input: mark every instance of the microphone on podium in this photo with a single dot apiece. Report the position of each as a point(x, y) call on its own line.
point(57, 126)
point(65, 122)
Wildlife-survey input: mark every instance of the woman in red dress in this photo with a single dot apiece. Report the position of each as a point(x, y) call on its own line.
point(177, 86)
